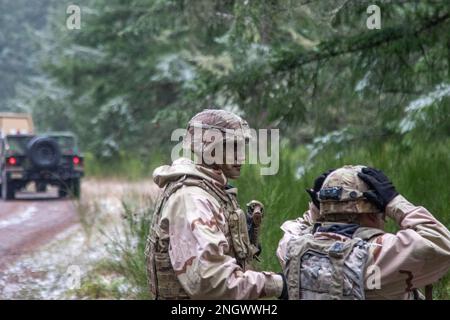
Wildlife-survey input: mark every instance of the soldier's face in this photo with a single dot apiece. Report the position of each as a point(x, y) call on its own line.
point(231, 163)
point(231, 171)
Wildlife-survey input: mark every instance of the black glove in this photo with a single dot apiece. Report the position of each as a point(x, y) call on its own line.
point(317, 186)
point(284, 293)
point(382, 190)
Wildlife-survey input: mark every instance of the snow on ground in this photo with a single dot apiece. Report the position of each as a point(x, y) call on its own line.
point(60, 265)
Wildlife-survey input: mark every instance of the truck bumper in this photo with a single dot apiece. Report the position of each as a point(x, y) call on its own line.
point(43, 175)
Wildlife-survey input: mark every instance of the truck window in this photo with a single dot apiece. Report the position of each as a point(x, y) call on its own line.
point(17, 144)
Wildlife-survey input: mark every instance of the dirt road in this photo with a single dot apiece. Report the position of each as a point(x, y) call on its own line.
point(40, 233)
point(31, 221)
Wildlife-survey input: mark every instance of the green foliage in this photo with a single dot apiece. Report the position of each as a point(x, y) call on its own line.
point(124, 165)
point(138, 69)
point(20, 24)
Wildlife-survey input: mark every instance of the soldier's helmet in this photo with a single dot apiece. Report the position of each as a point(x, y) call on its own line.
point(211, 129)
point(342, 193)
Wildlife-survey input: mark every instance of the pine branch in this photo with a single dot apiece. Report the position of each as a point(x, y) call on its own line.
point(289, 61)
point(335, 48)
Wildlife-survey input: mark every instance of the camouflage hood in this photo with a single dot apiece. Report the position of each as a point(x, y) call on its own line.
point(183, 166)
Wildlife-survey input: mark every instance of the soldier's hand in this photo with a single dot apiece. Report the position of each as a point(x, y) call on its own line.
point(317, 186)
point(382, 190)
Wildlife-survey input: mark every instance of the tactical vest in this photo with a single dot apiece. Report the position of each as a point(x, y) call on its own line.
point(327, 269)
point(163, 281)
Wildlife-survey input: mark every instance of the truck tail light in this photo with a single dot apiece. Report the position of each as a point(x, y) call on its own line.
point(76, 160)
point(12, 161)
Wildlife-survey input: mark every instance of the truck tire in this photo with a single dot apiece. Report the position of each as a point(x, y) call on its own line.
point(41, 187)
point(8, 191)
point(43, 152)
point(76, 188)
point(63, 189)
point(70, 188)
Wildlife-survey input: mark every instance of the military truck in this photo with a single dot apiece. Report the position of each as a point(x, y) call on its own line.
point(45, 159)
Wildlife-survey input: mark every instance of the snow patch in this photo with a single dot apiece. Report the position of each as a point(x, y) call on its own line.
point(20, 218)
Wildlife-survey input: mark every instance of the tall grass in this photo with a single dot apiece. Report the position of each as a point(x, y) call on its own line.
point(122, 274)
point(128, 251)
point(127, 166)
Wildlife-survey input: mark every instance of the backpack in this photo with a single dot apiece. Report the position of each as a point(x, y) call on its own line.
point(328, 269)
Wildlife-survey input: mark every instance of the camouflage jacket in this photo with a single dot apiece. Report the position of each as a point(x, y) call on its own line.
point(196, 226)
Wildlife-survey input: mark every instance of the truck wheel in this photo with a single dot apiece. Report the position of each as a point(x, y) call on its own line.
point(8, 191)
point(75, 188)
point(41, 187)
point(70, 188)
point(62, 191)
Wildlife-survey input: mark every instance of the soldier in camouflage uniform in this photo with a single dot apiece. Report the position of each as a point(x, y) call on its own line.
point(339, 249)
point(199, 246)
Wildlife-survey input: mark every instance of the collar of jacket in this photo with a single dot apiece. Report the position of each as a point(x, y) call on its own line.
point(182, 167)
point(343, 229)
